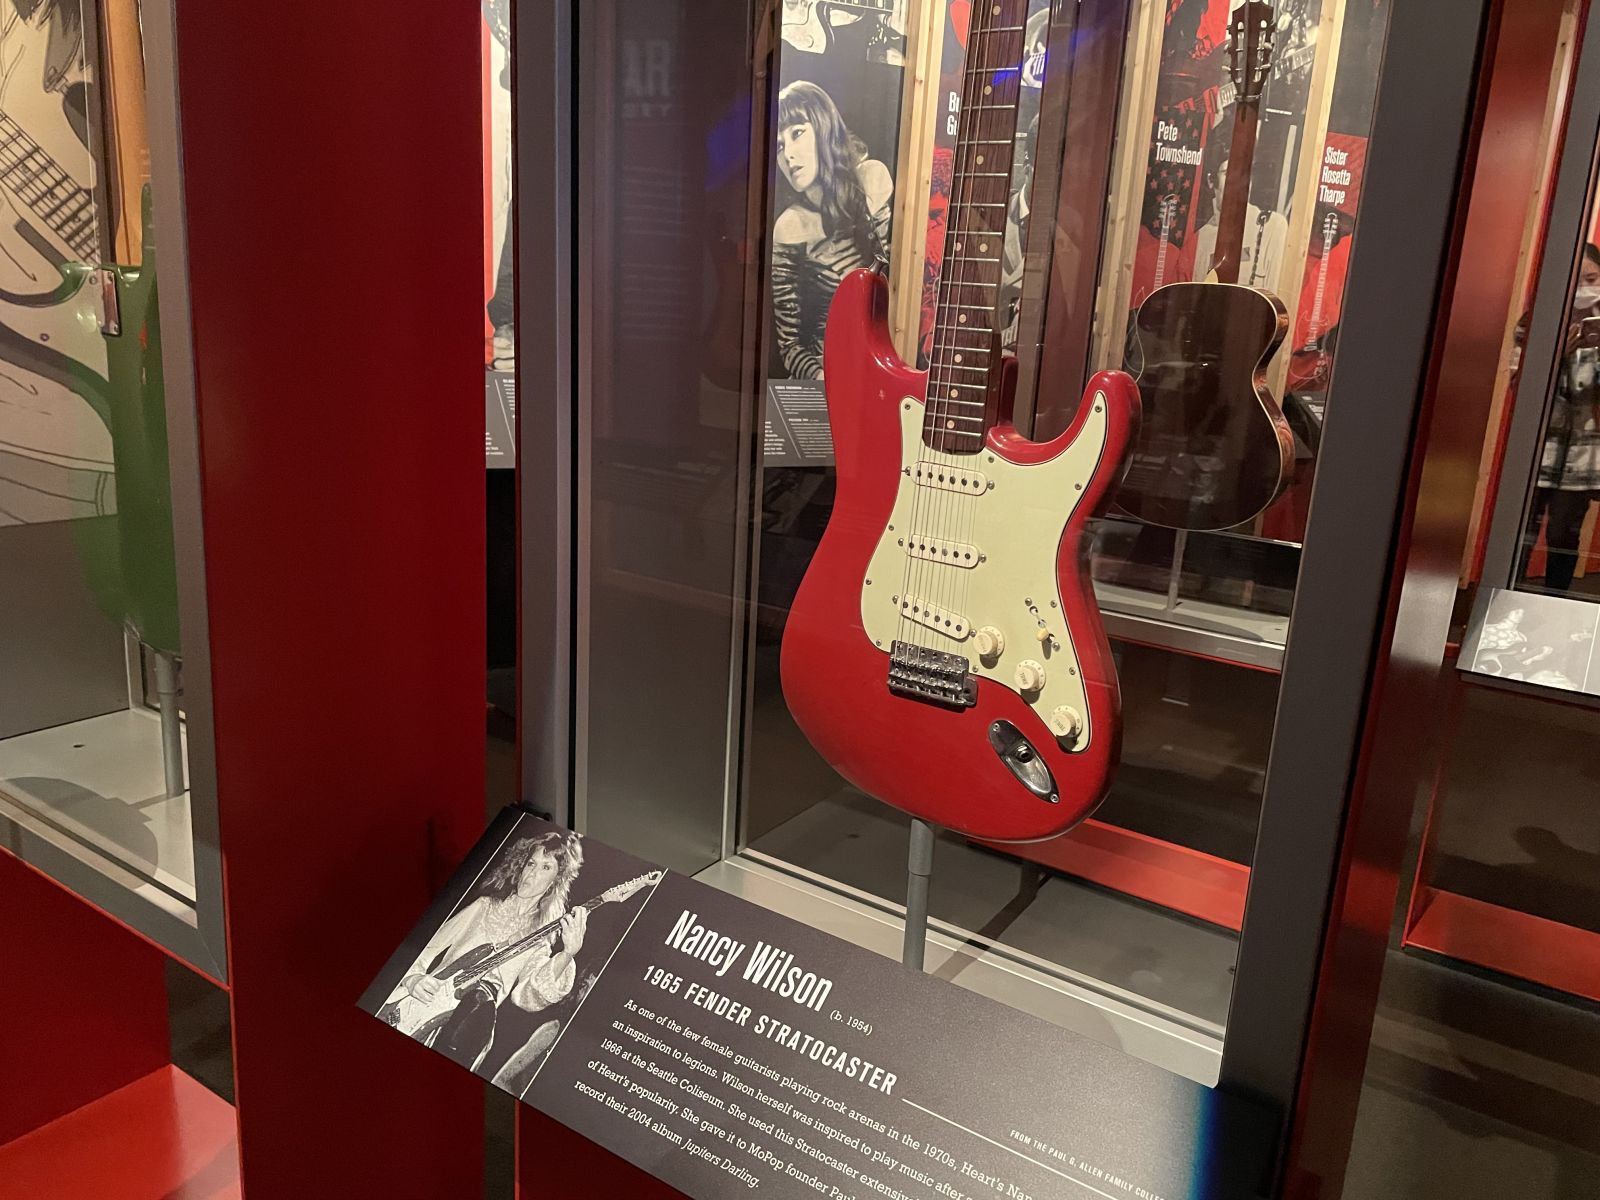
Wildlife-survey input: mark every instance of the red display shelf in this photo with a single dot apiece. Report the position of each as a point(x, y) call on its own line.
point(164, 1137)
point(1505, 940)
point(1185, 880)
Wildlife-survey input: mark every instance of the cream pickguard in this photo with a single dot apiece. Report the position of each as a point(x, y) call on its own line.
point(968, 566)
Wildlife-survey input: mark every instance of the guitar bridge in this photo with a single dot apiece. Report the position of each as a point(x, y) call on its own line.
point(931, 676)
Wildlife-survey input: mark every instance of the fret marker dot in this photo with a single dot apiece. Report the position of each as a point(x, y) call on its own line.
point(980, 160)
point(995, 10)
point(983, 246)
point(949, 424)
point(958, 247)
point(987, 89)
point(958, 358)
point(952, 393)
point(962, 318)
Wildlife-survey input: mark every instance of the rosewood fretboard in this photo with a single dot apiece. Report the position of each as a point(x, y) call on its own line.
point(964, 363)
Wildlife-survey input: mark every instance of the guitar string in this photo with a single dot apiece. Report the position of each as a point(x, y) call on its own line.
point(954, 508)
point(972, 247)
point(1004, 71)
point(931, 584)
point(960, 501)
point(930, 460)
point(915, 590)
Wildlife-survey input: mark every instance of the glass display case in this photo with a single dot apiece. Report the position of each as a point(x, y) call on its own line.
point(1502, 878)
point(1038, 194)
point(102, 663)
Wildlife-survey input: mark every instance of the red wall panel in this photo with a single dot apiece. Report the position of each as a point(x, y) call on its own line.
point(88, 1000)
point(333, 175)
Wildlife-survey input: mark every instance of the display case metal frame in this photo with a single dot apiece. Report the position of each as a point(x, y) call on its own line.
point(1577, 186)
point(192, 932)
point(1422, 131)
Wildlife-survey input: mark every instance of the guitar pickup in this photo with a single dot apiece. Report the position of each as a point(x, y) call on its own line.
point(951, 479)
point(940, 620)
point(931, 676)
point(952, 554)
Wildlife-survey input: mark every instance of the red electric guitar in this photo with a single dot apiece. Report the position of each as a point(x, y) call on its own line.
point(944, 651)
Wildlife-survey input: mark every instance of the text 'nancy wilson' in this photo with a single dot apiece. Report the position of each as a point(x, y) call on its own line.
point(768, 966)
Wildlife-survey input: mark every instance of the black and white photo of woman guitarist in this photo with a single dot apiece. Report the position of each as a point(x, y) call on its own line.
point(833, 216)
point(527, 889)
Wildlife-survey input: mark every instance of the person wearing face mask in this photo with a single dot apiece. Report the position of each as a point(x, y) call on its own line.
point(1569, 466)
point(833, 217)
point(527, 890)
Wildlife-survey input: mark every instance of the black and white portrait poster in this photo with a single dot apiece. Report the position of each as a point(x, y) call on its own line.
point(498, 974)
point(836, 143)
point(55, 433)
point(1544, 640)
point(727, 1049)
point(837, 134)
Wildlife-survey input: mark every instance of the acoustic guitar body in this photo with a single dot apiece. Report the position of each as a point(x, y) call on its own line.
point(1213, 449)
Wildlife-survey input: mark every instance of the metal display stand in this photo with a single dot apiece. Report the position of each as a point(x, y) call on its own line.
point(919, 869)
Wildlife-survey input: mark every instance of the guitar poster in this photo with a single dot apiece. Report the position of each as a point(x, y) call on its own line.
point(499, 254)
point(1165, 250)
point(1190, 73)
point(952, 62)
point(55, 434)
point(728, 1050)
point(1343, 166)
point(1191, 134)
point(1035, 44)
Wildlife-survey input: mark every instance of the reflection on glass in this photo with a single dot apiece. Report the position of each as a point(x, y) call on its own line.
point(91, 730)
point(833, 217)
point(1568, 481)
point(1237, 172)
point(963, 187)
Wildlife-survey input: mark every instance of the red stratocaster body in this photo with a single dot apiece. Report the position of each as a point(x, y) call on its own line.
point(998, 767)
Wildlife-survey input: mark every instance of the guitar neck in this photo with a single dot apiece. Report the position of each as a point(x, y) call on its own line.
point(511, 949)
point(1322, 292)
point(35, 178)
point(1234, 211)
point(962, 402)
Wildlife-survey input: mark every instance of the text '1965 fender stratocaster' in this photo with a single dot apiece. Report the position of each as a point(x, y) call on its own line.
point(944, 651)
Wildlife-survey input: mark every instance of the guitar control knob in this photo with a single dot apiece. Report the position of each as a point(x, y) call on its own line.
point(1029, 675)
point(989, 642)
point(1066, 723)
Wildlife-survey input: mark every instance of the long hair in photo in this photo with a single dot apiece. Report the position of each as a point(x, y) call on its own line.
point(563, 846)
point(843, 205)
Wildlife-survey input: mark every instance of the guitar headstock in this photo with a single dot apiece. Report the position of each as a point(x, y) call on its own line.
point(1169, 211)
point(1330, 230)
point(622, 891)
point(1251, 30)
